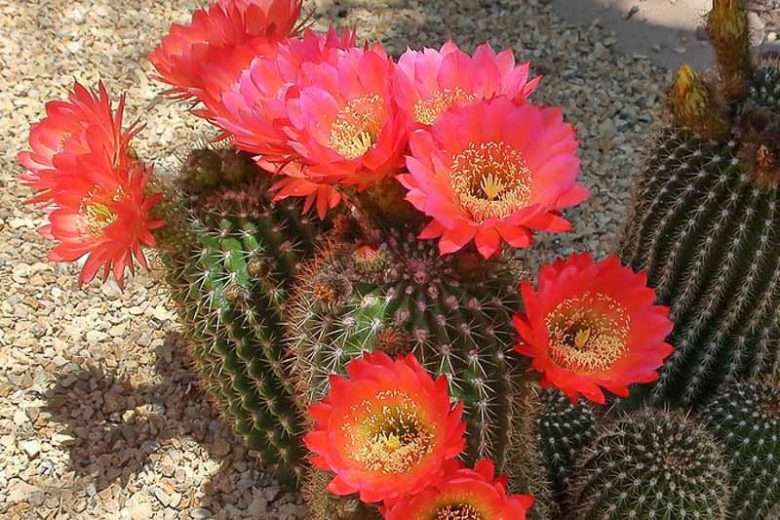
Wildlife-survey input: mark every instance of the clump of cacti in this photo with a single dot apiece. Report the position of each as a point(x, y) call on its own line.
point(342, 271)
point(745, 417)
point(705, 219)
point(651, 464)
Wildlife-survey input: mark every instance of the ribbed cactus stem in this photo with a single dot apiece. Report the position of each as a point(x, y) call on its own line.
point(704, 226)
point(729, 32)
point(230, 257)
point(693, 103)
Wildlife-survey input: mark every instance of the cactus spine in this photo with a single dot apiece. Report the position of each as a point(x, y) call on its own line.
point(230, 256)
point(746, 418)
point(705, 221)
point(652, 464)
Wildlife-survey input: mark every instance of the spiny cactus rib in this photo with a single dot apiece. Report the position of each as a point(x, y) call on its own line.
point(746, 418)
point(403, 296)
point(564, 429)
point(230, 262)
point(651, 465)
point(704, 225)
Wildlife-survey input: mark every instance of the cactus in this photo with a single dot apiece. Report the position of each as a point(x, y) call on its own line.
point(322, 505)
point(230, 257)
point(746, 418)
point(564, 430)
point(454, 313)
point(652, 464)
point(705, 223)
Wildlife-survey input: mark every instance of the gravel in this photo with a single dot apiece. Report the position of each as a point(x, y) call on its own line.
point(100, 414)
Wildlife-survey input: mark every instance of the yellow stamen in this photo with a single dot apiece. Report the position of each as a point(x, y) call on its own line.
point(387, 435)
point(97, 211)
point(458, 512)
point(588, 333)
point(491, 180)
point(427, 111)
point(357, 126)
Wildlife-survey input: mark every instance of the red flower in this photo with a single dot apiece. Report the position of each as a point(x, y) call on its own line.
point(429, 82)
point(105, 216)
point(464, 494)
point(386, 429)
point(93, 187)
point(493, 171)
point(83, 125)
point(204, 58)
point(593, 325)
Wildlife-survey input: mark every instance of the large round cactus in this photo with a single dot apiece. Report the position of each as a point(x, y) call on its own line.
point(651, 465)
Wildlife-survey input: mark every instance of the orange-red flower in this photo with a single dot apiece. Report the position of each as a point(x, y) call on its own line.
point(493, 171)
point(83, 125)
point(205, 57)
point(429, 82)
point(385, 430)
point(105, 216)
point(464, 494)
point(591, 326)
point(92, 186)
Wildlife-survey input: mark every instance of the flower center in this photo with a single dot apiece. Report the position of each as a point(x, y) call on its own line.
point(427, 111)
point(457, 512)
point(491, 180)
point(97, 211)
point(588, 333)
point(357, 126)
point(391, 438)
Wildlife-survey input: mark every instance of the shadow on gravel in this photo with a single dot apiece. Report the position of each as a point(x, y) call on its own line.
point(116, 427)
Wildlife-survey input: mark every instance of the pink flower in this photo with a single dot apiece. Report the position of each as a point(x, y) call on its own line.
point(493, 171)
point(429, 82)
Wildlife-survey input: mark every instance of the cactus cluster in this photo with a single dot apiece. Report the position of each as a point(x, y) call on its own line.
point(231, 257)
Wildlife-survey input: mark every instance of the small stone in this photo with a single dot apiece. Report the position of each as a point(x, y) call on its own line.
point(32, 448)
point(201, 513)
point(95, 337)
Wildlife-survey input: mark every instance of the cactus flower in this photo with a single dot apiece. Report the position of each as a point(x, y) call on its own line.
point(493, 171)
point(426, 83)
point(591, 325)
point(385, 430)
point(92, 186)
point(468, 494)
point(203, 58)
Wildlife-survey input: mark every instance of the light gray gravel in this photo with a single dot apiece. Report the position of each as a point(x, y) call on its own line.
point(100, 416)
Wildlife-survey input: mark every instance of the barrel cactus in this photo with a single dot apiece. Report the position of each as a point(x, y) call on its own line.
point(230, 258)
point(651, 465)
point(704, 222)
point(745, 417)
